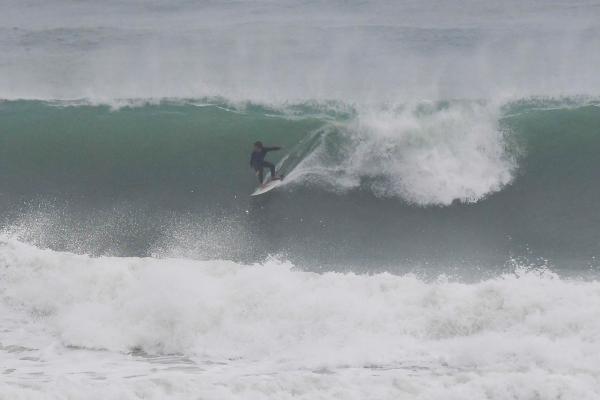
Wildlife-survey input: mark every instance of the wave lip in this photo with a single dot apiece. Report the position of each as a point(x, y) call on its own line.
point(400, 51)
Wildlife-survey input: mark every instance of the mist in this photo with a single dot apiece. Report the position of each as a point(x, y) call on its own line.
point(282, 52)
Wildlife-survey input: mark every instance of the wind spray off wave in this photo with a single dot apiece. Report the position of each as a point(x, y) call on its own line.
point(378, 51)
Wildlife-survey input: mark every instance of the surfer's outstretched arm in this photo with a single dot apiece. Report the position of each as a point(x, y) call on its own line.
point(271, 148)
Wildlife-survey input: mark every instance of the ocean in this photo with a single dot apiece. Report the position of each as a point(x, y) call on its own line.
point(436, 235)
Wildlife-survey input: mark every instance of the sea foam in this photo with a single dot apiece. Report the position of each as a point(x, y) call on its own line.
point(530, 326)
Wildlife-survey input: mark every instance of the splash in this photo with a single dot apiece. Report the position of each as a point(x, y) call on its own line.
point(426, 154)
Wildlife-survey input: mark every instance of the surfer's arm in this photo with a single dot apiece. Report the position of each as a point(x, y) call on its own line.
point(271, 148)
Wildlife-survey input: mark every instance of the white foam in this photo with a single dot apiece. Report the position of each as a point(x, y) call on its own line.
point(417, 152)
point(270, 331)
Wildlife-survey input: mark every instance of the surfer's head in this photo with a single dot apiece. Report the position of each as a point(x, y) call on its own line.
point(258, 145)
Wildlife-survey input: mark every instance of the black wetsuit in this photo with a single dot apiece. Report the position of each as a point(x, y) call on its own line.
point(257, 161)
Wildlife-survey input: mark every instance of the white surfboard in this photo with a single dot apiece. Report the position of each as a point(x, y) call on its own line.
point(266, 187)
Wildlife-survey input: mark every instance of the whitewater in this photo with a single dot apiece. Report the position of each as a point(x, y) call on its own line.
point(436, 236)
point(81, 327)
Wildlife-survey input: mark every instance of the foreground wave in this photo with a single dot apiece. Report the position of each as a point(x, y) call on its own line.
point(529, 334)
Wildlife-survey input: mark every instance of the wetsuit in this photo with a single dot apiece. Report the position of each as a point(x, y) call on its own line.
point(257, 161)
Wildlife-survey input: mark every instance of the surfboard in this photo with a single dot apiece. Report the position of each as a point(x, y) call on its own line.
point(267, 187)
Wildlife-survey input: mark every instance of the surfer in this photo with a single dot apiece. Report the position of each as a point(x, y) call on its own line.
point(257, 161)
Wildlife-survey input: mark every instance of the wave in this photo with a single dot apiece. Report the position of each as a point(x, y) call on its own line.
point(220, 308)
point(274, 317)
point(425, 153)
point(478, 183)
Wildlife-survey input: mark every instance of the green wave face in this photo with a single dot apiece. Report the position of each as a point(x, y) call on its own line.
point(391, 187)
point(154, 148)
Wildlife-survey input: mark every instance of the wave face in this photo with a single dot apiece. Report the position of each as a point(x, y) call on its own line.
point(416, 133)
point(447, 183)
point(174, 328)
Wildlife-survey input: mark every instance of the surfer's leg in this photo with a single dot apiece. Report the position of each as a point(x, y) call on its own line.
point(271, 167)
point(260, 175)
